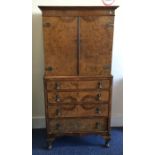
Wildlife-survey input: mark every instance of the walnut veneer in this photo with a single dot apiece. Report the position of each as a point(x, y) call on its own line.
point(78, 80)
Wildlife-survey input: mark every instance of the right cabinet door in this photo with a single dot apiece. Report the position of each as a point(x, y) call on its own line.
point(96, 36)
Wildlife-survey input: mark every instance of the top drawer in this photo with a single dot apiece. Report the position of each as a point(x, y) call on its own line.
point(78, 85)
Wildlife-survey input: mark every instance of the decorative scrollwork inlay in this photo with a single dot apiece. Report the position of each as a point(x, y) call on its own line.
point(67, 19)
point(90, 18)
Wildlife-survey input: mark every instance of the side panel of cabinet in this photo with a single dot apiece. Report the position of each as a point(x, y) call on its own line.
point(60, 45)
point(96, 35)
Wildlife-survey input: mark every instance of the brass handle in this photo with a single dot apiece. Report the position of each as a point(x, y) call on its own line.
point(49, 68)
point(97, 125)
point(97, 110)
point(57, 126)
point(57, 98)
point(98, 97)
point(57, 85)
point(57, 112)
point(100, 85)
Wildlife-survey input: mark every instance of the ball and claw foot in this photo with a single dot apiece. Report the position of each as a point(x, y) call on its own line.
point(49, 146)
point(49, 143)
point(107, 145)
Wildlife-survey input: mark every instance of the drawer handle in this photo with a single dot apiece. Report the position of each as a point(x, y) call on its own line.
point(57, 85)
point(100, 85)
point(98, 111)
point(97, 125)
point(50, 69)
point(98, 97)
point(57, 98)
point(57, 112)
point(57, 126)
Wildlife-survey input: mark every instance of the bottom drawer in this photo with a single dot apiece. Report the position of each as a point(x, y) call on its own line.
point(70, 125)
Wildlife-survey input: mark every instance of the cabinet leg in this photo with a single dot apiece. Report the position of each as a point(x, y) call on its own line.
point(107, 140)
point(107, 145)
point(49, 143)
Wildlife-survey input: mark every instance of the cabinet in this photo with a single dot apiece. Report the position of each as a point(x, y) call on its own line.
point(78, 81)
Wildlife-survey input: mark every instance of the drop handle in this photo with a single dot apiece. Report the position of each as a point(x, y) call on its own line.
point(50, 69)
point(57, 85)
point(57, 112)
point(98, 111)
point(97, 125)
point(98, 97)
point(57, 126)
point(100, 85)
point(57, 98)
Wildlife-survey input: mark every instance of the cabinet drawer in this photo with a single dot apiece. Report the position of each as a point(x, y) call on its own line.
point(77, 125)
point(98, 84)
point(78, 110)
point(65, 97)
point(79, 84)
point(58, 85)
point(73, 97)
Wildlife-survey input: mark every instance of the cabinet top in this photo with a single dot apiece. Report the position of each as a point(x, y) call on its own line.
point(77, 10)
point(42, 7)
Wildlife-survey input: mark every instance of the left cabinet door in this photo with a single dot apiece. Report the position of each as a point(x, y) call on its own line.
point(60, 45)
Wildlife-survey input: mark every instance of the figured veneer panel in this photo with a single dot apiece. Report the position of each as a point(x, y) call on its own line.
point(59, 32)
point(77, 125)
point(78, 110)
point(96, 35)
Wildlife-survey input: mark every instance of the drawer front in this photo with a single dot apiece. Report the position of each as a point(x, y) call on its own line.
point(94, 96)
point(78, 110)
point(65, 97)
point(73, 97)
point(78, 125)
point(58, 85)
point(93, 84)
point(98, 84)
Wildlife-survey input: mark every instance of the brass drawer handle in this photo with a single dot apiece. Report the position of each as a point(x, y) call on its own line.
point(50, 69)
point(57, 98)
point(57, 112)
point(100, 85)
point(57, 126)
point(98, 111)
point(97, 125)
point(98, 97)
point(57, 85)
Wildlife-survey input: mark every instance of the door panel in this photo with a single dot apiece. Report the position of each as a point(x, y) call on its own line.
point(60, 35)
point(96, 35)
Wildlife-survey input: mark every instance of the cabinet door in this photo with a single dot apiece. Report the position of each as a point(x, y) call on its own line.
point(60, 44)
point(96, 33)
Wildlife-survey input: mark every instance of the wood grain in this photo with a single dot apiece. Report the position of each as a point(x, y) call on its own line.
point(78, 10)
point(77, 110)
point(60, 33)
point(77, 77)
point(59, 85)
point(77, 125)
point(96, 47)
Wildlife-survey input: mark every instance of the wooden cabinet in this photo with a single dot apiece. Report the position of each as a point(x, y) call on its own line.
point(78, 80)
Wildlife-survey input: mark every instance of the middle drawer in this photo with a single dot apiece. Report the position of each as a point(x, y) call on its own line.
point(74, 97)
point(77, 110)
